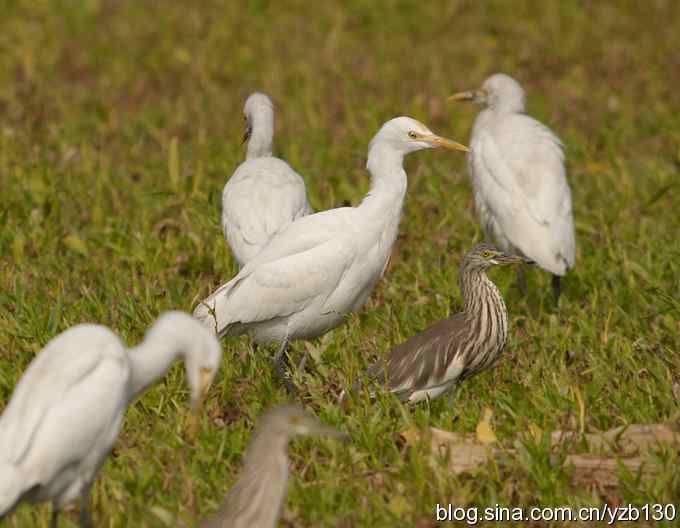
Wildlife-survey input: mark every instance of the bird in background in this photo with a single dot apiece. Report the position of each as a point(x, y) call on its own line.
point(264, 195)
point(257, 498)
point(323, 266)
point(432, 362)
point(66, 411)
point(517, 169)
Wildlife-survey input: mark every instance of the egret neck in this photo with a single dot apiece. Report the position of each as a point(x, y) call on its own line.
point(385, 199)
point(261, 133)
point(168, 339)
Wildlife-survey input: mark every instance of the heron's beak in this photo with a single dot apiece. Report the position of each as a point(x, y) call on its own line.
point(449, 144)
point(510, 259)
point(194, 421)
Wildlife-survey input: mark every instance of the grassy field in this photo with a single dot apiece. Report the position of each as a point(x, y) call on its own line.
point(121, 121)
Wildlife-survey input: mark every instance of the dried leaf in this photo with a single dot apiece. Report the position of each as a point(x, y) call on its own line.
point(485, 433)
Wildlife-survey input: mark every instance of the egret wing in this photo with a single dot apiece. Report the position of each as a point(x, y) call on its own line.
point(262, 198)
point(304, 263)
point(526, 159)
point(65, 362)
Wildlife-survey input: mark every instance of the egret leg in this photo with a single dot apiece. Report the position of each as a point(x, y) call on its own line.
point(280, 370)
point(522, 281)
point(556, 288)
point(54, 518)
point(85, 517)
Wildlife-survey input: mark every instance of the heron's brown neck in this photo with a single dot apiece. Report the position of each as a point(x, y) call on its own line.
point(481, 298)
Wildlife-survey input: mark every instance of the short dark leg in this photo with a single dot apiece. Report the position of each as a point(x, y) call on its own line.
point(521, 281)
point(556, 288)
point(85, 517)
point(54, 518)
point(280, 370)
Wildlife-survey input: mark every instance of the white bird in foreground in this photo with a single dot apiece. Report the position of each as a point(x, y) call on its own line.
point(323, 266)
point(67, 409)
point(520, 185)
point(257, 498)
point(264, 195)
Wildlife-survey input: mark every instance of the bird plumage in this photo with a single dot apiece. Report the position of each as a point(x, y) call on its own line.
point(458, 347)
point(63, 417)
point(517, 170)
point(257, 498)
point(325, 265)
point(67, 410)
point(264, 195)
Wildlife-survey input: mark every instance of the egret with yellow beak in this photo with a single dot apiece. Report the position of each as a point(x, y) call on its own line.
point(324, 266)
point(519, 179)
point(67, 410)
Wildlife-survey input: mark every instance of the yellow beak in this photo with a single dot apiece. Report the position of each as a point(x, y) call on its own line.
point(444, 143)
point(194, 420)
point(463, 96)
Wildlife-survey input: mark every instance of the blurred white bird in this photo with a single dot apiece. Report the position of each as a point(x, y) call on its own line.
point(264, 194)
point(520, 185)
point(323, 266)
point(67, 409)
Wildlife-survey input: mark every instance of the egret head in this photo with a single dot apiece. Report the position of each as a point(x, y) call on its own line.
point(288, 421)
point(499, 91)
point(484, 256)
point(258, 105)
point(406, 135)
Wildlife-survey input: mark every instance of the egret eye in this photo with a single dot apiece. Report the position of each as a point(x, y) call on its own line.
point(487, 254)
point(413, 135)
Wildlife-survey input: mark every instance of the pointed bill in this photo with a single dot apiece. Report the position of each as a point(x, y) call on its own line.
point(449, 144)
point(463, 96)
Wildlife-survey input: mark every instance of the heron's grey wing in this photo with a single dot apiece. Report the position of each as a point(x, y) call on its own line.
point(422, 360)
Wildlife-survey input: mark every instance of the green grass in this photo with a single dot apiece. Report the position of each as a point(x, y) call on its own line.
point(121, 121)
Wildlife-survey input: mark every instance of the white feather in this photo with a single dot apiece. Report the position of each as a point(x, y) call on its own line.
point(521, 190)
point(264, 195)
point(66, 411)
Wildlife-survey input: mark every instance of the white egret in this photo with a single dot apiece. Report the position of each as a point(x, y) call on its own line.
point(264, 194)
point(67, 409)
point(325, 265)
point(257, 498)
point(520, 185)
